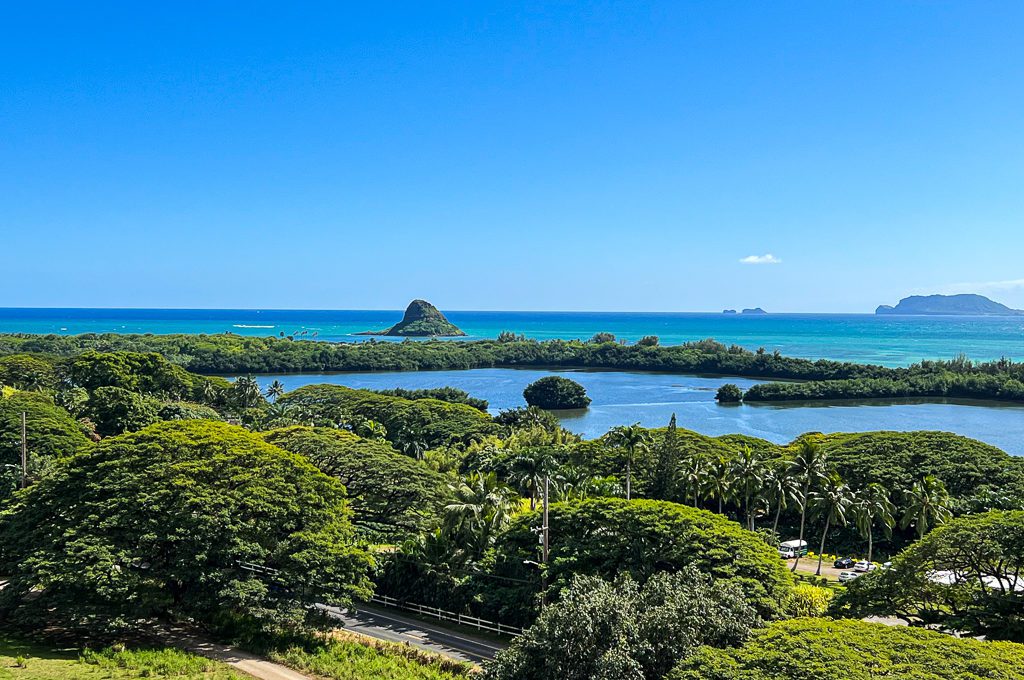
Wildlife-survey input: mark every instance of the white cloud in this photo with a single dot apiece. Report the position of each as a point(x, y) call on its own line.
point(767, 258)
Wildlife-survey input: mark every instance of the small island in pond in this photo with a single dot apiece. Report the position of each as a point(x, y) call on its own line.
point(953, 305)
point(421, 319)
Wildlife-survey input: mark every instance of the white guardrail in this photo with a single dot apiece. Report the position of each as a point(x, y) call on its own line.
point(445, 615)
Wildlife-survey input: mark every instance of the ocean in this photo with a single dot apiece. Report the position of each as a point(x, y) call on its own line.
point(886, 340)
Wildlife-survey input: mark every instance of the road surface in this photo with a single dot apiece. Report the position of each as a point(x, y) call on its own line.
point(385, 624)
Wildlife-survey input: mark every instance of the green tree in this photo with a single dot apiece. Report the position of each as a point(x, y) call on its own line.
point(529, 470)
point(275, 390)
point(115, 410)
point(480, 508)
point(871, 506)
point(830, 502)
point(729, 394)
point(925, 505)
point(246, 393)
point(809, 467)
point(694, 478)
point(780, 487)
point(391, 495)
point(804, 648)
point(609, 536)
point(617, 631)
point(183, 507)
point(633, 439)
point(964, 575)
point(749, 475)
point(662, 484)
point(555, 392)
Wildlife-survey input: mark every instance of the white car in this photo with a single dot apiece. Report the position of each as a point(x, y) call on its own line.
point(864, 566)
point(845, 576)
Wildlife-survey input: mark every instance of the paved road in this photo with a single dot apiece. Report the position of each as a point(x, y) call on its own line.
point(386, 624)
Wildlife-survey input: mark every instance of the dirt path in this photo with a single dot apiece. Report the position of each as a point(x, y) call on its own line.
point(237, 659)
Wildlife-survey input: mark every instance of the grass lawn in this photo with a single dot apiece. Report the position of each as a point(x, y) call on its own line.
point(351, 657)
point(20, 660)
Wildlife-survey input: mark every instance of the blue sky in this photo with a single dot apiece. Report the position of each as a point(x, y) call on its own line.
point(569, 156)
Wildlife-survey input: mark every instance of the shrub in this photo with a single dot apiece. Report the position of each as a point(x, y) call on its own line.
point(555, 392)
point(729, 394)
point(810, 648)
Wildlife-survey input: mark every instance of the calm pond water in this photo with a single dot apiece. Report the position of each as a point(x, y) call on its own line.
point(621, 398)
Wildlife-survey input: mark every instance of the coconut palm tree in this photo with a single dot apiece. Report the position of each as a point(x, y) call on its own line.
point(749, 475)
point(808, 467)
point(780, 488)
point(870, 505)
point(210, 393)
point(633, 439)
point(531, 467)
point(275, 390)
point(247, 391)
point(926, 504)
point(693, 477)
point(832, 501)
point(718, 481)
point(481, 507)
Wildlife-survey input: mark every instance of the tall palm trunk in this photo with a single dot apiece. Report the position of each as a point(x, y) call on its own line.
point(629, 478)
point(775, 524)
point(871, 540)
point(719, 504)
point(803, 516)
point(821, 550)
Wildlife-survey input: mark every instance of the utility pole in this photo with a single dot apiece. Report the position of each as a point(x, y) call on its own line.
point(24, 453)
point(545, 544)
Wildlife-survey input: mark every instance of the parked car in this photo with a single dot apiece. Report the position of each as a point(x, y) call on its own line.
point(845, 576)
point(843, 563)
point(864, 566)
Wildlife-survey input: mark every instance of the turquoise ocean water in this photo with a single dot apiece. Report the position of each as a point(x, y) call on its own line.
point(627, 397)
point(888, 340)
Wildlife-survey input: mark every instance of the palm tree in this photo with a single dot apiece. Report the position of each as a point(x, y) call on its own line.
point(481, 507)
point(808, 467)
point(832, 501)
point(871, 504)
point(718, 481)
point(247, 391)
point(694, 478)
point(927, 504)
point(632, 438)
point(749, 476)
point(275, 390)
point(530, 468)
point(780, 488)
point(372, 430)
point(210, 393)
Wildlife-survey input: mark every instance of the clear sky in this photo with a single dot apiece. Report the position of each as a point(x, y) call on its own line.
point(675, 156)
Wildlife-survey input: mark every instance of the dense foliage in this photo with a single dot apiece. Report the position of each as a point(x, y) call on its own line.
point(978, 476)
point(615, 631)
point(431, 421)
point(232, 354)
point(391, 495)
point(449, 394)
point(555, 392)
point(966, 575)
point(610, 536)
point(803, 648)
point(162, 522)
point(51, 434)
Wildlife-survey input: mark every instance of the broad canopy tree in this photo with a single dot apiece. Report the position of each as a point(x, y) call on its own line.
point(164, 522)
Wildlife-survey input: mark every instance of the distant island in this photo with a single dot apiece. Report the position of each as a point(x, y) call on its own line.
point(421, 319)
point(755, 311)
point(952, 305)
